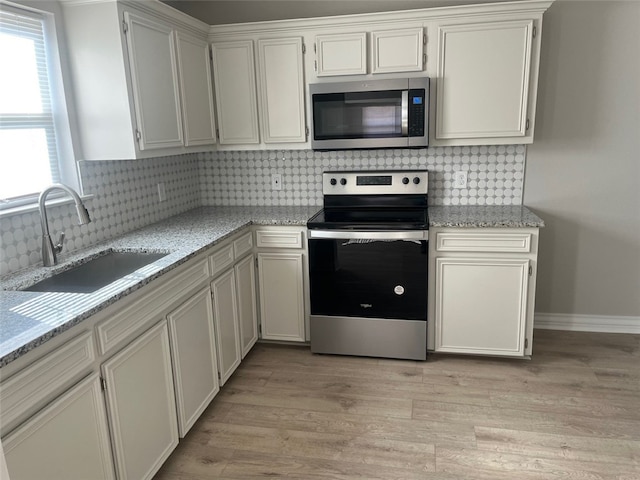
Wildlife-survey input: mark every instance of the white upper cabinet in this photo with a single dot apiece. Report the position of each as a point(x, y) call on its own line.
point(281, 81)
point(392, 51)
point(280, 84)
point(397, 50)
point(341, 54)
point(484, 82)
point(195, 90)
point(154, 76)
point(234, 80)
point(141, 80)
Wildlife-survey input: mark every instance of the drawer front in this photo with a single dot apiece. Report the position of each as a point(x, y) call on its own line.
point(40, 380)
point(483, 242)
point(125, 323)
point(276, 239)
point(243, 245)
point(222, 259)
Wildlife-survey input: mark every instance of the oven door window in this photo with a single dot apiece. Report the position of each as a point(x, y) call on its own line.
point(368, 278)
point(357, 115)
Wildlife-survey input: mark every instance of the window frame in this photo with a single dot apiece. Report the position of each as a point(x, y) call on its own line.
point(50, 14)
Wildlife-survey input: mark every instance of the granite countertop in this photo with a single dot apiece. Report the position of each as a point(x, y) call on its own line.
point(28, 319)
point(506, 216)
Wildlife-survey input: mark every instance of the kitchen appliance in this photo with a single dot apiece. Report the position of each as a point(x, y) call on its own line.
point(368, 265)
point(370, 114)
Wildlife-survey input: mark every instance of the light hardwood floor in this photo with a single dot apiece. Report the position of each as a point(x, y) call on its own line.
point(572, 412)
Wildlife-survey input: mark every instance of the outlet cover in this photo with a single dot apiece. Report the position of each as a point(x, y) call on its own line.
point(162, 194)
point(276, 181)
point(460, 179)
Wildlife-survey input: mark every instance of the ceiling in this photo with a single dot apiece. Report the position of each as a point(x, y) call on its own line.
point(216, 12)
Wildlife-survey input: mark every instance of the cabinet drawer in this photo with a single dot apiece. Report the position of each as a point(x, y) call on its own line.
point(243, 245)
point(57, 370)
point(276, 239)
point(483, 242)
point(221, 259)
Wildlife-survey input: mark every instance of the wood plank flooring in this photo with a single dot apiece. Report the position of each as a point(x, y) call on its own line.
point(572, 412)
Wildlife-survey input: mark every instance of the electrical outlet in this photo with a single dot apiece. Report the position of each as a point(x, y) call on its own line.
point(162, 194)
point(276, 181)
point(460, 179)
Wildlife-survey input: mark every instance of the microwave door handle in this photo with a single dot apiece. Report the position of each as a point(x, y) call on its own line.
point(405, 113)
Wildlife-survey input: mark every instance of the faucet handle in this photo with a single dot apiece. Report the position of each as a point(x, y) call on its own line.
point(60, 245)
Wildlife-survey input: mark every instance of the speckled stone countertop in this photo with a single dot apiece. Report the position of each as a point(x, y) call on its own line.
point(507, 216)
point(28, 319)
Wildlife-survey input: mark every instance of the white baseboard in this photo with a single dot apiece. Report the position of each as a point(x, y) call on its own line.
point(587, 323)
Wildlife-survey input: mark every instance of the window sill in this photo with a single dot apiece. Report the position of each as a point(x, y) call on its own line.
point(33, 207)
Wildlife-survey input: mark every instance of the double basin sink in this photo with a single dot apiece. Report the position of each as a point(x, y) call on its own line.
point(89, 276)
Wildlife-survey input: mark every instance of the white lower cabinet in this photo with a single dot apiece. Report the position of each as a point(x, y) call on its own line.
point(67, 440)
point(280, 276)
point(247, 315)
point(225, 315)
point(193, 354)
point(481, 305)
point(482, 290)
point(141, 404)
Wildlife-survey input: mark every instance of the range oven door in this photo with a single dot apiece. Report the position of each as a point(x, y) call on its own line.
point(368, 274)
point(369, 293)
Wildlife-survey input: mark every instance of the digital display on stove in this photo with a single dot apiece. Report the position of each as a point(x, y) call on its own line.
point(374, 180)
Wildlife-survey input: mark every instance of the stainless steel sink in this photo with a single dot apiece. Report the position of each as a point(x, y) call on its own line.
point(96, 273)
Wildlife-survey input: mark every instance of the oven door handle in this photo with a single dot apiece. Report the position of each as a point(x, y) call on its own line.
point(367, 235)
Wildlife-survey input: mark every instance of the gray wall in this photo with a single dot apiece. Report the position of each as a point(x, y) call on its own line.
point(583, 172)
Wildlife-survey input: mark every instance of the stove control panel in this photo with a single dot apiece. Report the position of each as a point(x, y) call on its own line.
point(379, 182)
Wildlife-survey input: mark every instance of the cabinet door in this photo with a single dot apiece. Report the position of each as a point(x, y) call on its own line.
point(141, 405)
point(483, 79)
point(342, 54)
point(195, 91)
point(68, 439)
point(281, 90)
point(225, 315)
point(193, 354)
point(397, 51)
point(235, 83)
point(281, 286)
point(481, 305)
point(154, 78)
point(246, 286)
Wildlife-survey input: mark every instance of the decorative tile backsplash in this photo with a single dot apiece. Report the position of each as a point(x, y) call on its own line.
point(126, 196)
point(495, 174)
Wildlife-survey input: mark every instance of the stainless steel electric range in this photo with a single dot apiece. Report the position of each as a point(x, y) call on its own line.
point(368, 265)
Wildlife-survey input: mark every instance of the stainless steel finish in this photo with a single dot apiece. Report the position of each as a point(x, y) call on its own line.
point(404, 126)
point(96, 273)
point(49, 251)
point(412, 235)
point(374, 337)
point(372, 85)
point(396, 187)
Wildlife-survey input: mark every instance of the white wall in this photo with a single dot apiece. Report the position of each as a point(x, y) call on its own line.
point(583, 169)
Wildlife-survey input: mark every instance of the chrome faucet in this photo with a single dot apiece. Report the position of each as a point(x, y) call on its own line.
point(49, 250)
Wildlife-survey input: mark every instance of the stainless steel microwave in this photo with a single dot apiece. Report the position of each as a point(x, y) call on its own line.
point(370, 114)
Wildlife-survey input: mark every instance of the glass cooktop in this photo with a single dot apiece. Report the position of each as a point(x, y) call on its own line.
point(371, 218)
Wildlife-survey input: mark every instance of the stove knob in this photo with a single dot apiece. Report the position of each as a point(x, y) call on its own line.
point(405, 180)
point(333, 181)
point(343, 181)
point(416, 180)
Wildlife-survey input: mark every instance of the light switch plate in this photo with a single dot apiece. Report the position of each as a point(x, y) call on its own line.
point(276, 181)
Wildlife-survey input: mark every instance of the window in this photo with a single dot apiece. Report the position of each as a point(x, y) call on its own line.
point(29, 151)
